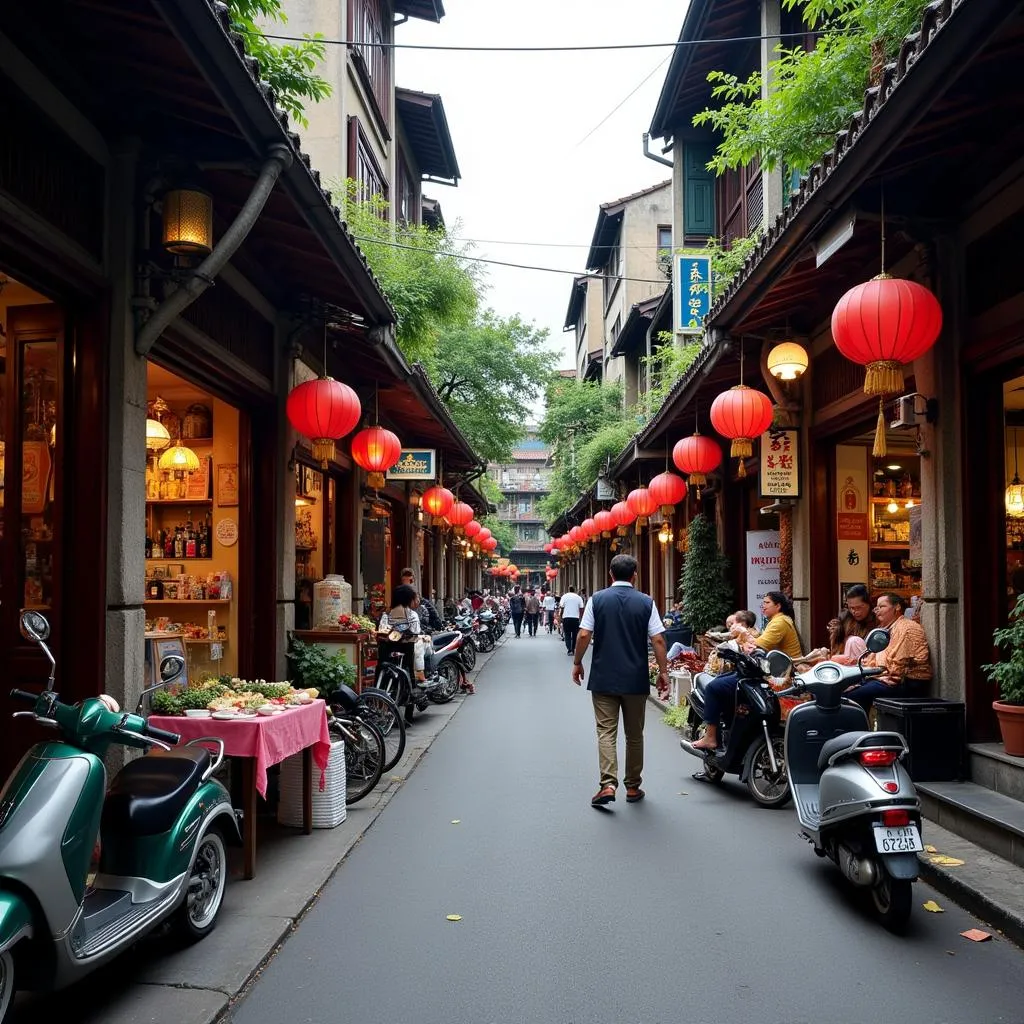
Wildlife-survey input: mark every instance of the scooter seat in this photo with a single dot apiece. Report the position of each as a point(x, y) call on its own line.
point(833, 746)
point(701, 680)
point(444, 639)
point(148, 794)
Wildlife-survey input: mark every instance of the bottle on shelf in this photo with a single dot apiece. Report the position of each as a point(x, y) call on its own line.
point(155, 590)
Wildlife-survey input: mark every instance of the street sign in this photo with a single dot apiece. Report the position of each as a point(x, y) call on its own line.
point(780, 464)
point(415, 464)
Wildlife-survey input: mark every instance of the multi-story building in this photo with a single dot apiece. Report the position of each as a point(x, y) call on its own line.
point(524, 482)
point(626, 270)
point(387, 139)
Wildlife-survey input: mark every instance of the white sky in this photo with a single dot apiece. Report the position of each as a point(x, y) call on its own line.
point(518, 121)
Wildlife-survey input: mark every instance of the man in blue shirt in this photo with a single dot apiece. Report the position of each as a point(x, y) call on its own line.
point(620, 620)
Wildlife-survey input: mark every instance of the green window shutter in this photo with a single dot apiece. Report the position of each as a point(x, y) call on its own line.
point(698, 190)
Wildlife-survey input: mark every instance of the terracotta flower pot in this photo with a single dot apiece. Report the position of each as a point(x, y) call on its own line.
point(1011, 725)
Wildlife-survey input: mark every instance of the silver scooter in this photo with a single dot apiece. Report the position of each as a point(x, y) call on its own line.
point(855, 801)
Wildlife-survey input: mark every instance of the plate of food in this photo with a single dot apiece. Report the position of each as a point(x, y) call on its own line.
point(225, 716)
point(198, 713)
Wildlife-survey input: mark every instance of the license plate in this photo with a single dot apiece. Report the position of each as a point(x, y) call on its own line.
point(902, 839)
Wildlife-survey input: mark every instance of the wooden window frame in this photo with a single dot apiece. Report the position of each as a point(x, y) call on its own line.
point(367, 22)
point(359, 150)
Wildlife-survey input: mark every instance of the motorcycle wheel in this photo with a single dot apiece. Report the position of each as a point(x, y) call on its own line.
point(385, 714)
point(448, 670)
point(364, 759)
point(893, 899)
point(468, 654)
point(7, 982)
point(486, 641)
point(197, 916)
point(768, 788)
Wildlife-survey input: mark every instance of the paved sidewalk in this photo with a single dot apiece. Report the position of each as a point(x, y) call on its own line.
point(160, 983)
point(986, 885)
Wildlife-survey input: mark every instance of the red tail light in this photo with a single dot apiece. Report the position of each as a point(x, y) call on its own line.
point(877, 758)
point(894, 819)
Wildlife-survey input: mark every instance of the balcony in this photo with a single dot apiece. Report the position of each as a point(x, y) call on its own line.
point(529, 545)
point(515, 516)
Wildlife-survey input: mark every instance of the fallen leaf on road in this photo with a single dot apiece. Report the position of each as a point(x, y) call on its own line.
point(930, 849)
point(397, 778)
point(950, 952)
point(976, 935)
point(458, 917)
point(947, 862)
point(683, 792)
point(455, 821)
point(932, 907)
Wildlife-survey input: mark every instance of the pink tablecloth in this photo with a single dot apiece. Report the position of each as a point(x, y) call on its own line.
point(268, 740)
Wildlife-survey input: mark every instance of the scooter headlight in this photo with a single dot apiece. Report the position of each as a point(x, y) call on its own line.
point(827, 673)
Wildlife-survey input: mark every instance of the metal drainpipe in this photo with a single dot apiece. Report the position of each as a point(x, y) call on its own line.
point(653, 156)
point(279, 159)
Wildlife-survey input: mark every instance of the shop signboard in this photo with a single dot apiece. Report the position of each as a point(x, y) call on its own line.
point(780, 464)
point(851, 523)
point(414, 464)
point(764, 564)
point(692, 297)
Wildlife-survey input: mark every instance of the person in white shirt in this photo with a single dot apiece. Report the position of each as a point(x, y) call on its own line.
point(570, 611)
point(550, 604)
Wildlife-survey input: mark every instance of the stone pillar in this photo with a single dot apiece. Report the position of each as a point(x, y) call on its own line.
point(786, 551)
point(284, 512)
point(771, 181)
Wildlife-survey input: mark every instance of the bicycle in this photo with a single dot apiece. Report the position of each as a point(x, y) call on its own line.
point(364, 754)
point(387, 716)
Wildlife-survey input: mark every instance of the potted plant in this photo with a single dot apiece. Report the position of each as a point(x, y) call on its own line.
point(706, 594)
point(1009, 674)
point(314, 667)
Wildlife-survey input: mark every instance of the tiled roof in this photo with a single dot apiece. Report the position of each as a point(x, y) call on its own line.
point(635, 195)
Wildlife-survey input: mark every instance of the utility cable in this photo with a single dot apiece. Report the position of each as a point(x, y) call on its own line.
point(618, 106)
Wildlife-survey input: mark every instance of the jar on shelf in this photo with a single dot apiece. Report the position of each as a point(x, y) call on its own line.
point(197, 421)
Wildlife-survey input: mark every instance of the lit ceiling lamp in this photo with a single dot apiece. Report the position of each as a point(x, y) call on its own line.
point(179, 459)
point(1014, 496)
point(157, 437)
point(787, 361)
point(188, 222)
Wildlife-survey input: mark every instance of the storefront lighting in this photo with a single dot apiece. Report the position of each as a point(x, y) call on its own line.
point(188, 222)
point(894, 468)
point(665, 535)
point(892, 507)
point(179, 459)
point(909, 504)
point(1014, 497)
point(157, 437)
point(303, 500)
point(787, 361)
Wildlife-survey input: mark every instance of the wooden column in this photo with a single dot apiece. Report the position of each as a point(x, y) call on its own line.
point(786, 550)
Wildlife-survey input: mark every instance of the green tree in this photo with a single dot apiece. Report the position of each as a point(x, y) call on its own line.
point(505, 534)
point(664, 367)
point(813, 93)
point(488, 373)
point(289, 68)
point(706, 594)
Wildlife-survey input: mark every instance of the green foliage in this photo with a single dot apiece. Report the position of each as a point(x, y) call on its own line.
point(314, 667)
point(1009, 674)
point(488, 373)
point(490, 490)
point(504, 533)
point(604, 444)
point(432, 293)
point(192, 698)
point(813, 93)
point(290, 68)
point(678, 716)
point(664, 367)
point(705, 591)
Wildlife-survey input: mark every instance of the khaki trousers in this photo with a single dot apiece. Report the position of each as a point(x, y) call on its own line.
point(633, 707)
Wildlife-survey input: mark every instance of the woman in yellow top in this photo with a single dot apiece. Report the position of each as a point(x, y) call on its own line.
point(780, 633)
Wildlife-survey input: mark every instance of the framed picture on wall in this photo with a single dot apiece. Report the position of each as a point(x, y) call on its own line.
point(197, 487)
point(227, 484)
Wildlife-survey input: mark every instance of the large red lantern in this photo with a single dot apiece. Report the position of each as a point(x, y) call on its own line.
point(459, 515)
point(323, 410)
point(564, 541)
point(489, 543)
point(882, 324)
point(576, 535)
point(589, 528)
point(741, 413)
point(472, 529)
point(642, 505)
point(376, 450)
point(623, 516)
point(438, 501)
point(667, 490)
point(604, 522)
point(697, 456)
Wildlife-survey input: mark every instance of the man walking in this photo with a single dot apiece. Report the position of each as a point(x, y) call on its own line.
point(570, 608)
point(532, 612)
point(621, 620)
point(517, 608)
point(550, 604)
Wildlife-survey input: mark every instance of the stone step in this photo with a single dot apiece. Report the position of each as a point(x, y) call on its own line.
point(992, 820)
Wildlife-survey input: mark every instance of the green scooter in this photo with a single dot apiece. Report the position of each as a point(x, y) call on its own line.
point(163, 826)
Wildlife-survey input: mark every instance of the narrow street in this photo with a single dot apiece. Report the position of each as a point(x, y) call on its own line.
point(693, 905)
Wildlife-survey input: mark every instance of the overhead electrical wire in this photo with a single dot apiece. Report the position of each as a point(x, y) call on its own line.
point(618, 106)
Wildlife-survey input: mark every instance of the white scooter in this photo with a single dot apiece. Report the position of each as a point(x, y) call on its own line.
point(855, 801)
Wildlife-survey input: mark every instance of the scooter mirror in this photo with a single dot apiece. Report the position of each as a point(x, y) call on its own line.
point(877, 640)
point(779, 663)
point(171, 666)
point(34, 626)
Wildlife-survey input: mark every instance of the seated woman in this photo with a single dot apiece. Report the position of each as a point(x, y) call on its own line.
point(847, 632)
point(404, 618)
point(907, 660)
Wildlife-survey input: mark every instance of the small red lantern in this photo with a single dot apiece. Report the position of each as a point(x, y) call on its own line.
point(641, 504)
point(741, 413)
point(489, 543)
point(323, 410)
point(473, 528)
point(564, 541)
point(604, 522)
point(697, 456)
point(589, 528)
point(623, 516)
point(438, 501)
point(459, 515)
point(548, 548)
point(576, 535)
point(376, 450)
point(667, 490)
point(882, 324)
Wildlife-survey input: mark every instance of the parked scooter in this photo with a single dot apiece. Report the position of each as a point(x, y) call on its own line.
point(855, 801)
point(163, 829)
point(447, 667)
point(751, 745)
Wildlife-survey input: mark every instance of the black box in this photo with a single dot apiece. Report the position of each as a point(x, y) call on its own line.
point(934, 731)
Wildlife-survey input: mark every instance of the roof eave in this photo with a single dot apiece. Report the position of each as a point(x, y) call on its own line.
point(696, 15)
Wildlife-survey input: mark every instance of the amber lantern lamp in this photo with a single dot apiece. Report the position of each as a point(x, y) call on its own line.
point(188, 222)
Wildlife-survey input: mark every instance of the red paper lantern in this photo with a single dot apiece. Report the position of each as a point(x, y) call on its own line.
point(323, 410)
point(667, 490)
point(548, 548)
point(741, 413)
point(697, 456)
point(376, 450)
point(589, 528)
point(438, 501)
point(473, 528)
point(576, 535)
point(459, 515)
point(623, 516)
point(641, 504)
point(564, 541)
point(605, 523)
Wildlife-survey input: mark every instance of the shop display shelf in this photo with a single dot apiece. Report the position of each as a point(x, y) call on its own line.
point(200, 639)
point(198, 601)
point(889, 546)
point(916, 498)
point(179, 501)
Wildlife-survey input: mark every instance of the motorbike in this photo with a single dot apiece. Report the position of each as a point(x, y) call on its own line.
point(448, 667)
point(394, 677)
point(752, 745)
point(854, 799)
point(163, 828)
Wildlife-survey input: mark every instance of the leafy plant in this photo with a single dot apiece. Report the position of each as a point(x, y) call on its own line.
point(503, 531)
point(314, 667)
point(706, 594)
point(664, 367)
point(677, 716)
point(1009, 674)
point(191, 698)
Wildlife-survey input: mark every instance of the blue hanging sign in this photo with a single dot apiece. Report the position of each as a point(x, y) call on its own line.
point(692, 286)
point(414, 464)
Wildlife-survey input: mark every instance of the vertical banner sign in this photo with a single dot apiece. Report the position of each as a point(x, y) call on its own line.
point(851, 517)
point(780, 464)
point(692, 286)
point(764, 559)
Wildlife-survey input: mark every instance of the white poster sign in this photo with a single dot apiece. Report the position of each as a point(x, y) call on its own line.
point(763, 567)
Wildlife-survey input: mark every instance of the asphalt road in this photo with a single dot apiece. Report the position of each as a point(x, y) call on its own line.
point(691, 906)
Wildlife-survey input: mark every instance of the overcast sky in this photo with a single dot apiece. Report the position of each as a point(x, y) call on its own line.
point(520, 124)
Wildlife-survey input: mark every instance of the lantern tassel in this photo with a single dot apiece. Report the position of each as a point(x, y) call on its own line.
point(884, 377)
point(375, 480)
point(323, 449)
point(741, 469)
point(698, 479)
point(742, 448)
point(879, 449)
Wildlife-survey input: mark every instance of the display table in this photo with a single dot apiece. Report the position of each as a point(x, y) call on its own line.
point(260, 742)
